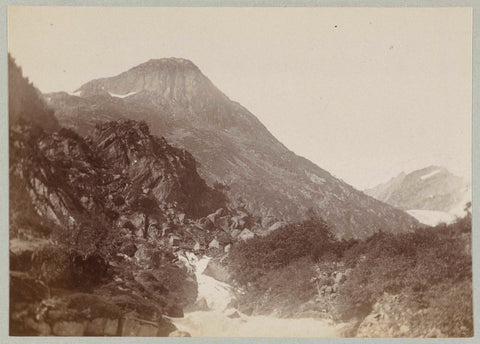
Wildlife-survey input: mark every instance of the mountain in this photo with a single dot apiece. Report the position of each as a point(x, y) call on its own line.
point(431, 194)
point(92, 223)
point(232, 146)
point(26, 102)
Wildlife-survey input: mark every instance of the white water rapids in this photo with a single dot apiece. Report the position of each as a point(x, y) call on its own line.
point(216, 323)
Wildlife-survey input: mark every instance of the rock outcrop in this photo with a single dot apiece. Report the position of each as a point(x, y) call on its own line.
point(90, 219)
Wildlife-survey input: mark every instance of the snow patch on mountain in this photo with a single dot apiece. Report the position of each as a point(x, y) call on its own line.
point(122, 95)
point(430, 174)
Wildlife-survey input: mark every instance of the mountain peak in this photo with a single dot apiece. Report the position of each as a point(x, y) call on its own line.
point(170, 78)
point(168, 61)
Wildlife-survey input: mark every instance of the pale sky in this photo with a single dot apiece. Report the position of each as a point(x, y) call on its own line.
point(364, 93)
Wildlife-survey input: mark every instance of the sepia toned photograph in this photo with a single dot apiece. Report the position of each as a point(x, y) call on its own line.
point(240, 172)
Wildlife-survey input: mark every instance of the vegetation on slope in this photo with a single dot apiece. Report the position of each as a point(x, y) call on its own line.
point(421, 280)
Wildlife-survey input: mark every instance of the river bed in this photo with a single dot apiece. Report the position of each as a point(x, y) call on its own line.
point(225, 321)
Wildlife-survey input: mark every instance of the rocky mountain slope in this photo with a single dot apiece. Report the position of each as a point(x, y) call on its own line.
point(230, 144)
point(429, 193)
point(99, 226)
point(25, 101)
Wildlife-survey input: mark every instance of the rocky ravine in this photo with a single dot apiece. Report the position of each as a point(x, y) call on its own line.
point(99, 231)
point(99, 225)
point(230, 144)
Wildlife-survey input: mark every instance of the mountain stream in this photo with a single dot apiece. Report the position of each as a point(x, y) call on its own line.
point(221, 320)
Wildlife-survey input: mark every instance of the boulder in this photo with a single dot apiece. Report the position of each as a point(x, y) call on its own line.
point(95, 327)
point(276, 226)
point(234, 315)
point(165, 327)
point(216, 270)
point(39, 328)
point(227, 248)
point(179, 333)
point(147, 330)
point(129, 327)
point(236, 222)
point(235, 233)
point(111, 327)
point(201, 305)
point(128, 249)
point(223, 238)
point(69, 328)
point(268, 221)
point(223, 223)
point(340, 278)
point(246, 234)
point(205, 224)
point(214, 244)
point(181, 217)
point(219, 212)
point(211, 217)
point(174, 311)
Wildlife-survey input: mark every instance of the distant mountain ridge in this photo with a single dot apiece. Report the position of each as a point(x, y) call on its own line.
point(431, 194)
point(430, 188)
point(231, 145)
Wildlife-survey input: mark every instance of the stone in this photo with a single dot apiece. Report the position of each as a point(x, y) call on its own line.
point(111, 327)
point(147, 330)
point(181, 217)
point(276, 226)
point(211, 217)
point(435, 333)
point(165, 327)
point(128, 249)
point(268, 221)
point(214, 244)
point(205, 224)
point(223, 223)
point(201, 305)
point(235, 233)
point(40, 328)
point(234, 315)
point(235, 222)
point(174, 311)
point(227, 248)
point(340, 278)
point(95, 327)
point(404, 329)
point(129, 327)
point(179, 333)
point(246, 234)
point(68, 328)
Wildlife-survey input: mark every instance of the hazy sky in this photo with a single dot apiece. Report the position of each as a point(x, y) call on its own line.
point(365, 93)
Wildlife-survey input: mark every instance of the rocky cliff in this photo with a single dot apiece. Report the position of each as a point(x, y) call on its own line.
point(95, 225)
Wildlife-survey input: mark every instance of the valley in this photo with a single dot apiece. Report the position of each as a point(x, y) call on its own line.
point(150, 204)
